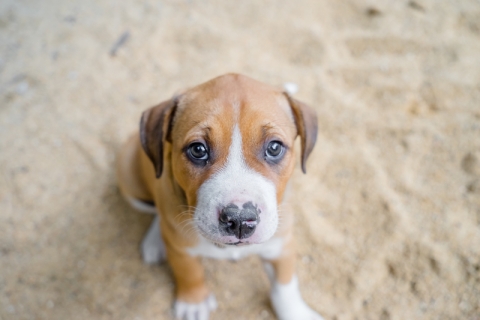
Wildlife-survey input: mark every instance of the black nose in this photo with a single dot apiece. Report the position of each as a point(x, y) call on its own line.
point(239, 222)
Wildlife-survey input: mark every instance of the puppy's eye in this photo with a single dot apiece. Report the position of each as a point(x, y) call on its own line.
point(197, 152)
point(274, 151)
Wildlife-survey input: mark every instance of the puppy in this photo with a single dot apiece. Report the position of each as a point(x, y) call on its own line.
point(213, 163)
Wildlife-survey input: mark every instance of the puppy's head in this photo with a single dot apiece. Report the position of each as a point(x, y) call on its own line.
point(232, 153)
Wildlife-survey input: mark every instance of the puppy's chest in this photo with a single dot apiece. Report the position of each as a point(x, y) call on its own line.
point(267, 250)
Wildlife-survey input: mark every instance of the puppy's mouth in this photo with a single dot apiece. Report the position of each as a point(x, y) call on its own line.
point(239, 243)
point(223, 245)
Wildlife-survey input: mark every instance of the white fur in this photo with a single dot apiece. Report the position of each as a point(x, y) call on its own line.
point(152, 247)
point(290, 87)
point(287, 300)
point(236, 183)
point(141, 206)
point(195, 311)
point(270, 249)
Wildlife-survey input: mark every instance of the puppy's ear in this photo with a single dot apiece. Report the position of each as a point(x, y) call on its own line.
point(155, 129)
point(307, 127)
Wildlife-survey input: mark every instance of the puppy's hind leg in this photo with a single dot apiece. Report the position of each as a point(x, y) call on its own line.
point(130, 171)
point(152, 246)
point(147, 207)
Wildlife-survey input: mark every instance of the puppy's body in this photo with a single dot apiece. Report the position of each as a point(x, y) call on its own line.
point(222, 155)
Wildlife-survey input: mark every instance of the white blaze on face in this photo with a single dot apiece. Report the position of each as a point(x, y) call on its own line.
point(236, 183)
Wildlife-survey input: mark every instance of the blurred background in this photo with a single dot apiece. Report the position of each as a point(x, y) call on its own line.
point(388, 216)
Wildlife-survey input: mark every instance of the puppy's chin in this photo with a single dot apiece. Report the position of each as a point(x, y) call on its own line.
point(219, 245)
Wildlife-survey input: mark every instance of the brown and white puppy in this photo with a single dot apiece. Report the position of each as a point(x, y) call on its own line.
point(214, 163)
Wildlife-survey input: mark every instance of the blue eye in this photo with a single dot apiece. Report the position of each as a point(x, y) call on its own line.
point(274, 150)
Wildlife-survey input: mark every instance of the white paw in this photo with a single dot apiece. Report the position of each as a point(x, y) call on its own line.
point(288, 303)
point(296, 311)
point(304, 313)
point(152, 247)
point(195, 311)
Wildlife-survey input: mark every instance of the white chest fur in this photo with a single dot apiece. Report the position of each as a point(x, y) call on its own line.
point(270, 249)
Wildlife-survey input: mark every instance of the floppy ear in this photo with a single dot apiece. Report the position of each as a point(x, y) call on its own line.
point(155, 129)
point(307, 127)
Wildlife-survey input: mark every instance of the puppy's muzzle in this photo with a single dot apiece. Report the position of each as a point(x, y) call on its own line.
point(237, 222)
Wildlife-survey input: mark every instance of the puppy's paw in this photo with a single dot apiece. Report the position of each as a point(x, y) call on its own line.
point(195, 311)
point(294, 311)
point(303, 313)
point(288, 303)
point(152, 247)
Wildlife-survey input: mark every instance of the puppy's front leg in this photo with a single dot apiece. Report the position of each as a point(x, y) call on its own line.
point(193, 299)
point(284, 293)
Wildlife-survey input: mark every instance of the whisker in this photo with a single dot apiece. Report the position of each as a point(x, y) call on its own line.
point(188, 228)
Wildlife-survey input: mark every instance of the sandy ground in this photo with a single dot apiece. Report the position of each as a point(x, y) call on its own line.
point(388, 217)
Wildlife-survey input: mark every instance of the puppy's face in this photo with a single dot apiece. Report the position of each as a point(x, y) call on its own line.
point(232, 154)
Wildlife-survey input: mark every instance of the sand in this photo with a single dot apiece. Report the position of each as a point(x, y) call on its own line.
point(387, 217)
